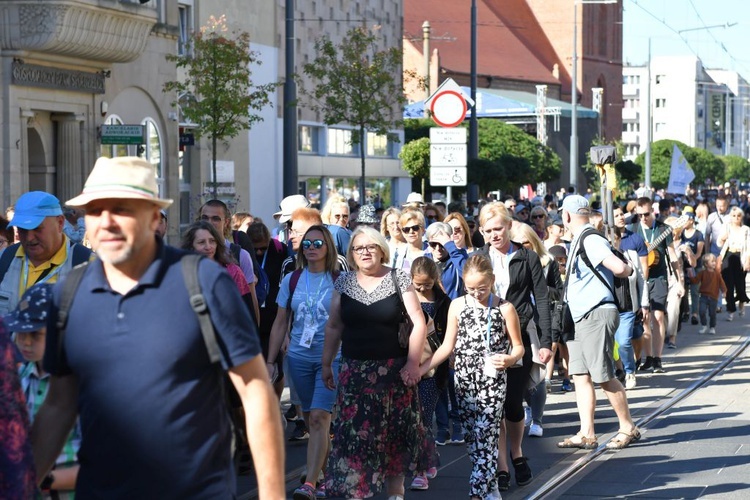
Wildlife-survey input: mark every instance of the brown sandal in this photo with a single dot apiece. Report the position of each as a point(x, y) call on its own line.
point(585, 443)
point(623, 438)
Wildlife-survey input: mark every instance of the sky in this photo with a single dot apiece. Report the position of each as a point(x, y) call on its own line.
point(663, 19)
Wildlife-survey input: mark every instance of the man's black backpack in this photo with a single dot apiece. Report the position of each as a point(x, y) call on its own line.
point(189, 265)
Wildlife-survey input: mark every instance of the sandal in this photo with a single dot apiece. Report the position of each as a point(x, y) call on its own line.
point(623, 438)
point(584, 443)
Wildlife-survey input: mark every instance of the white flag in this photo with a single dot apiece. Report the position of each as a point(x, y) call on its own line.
point(680, 173)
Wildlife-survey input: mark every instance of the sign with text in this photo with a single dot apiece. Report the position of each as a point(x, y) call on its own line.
point(448, 176)
point(448, 155)
point(123, 134)
point(439, 135)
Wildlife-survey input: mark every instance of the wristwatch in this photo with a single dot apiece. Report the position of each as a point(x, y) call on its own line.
point(47, 482)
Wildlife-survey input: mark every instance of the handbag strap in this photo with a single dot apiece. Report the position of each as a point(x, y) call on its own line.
point(394, 277)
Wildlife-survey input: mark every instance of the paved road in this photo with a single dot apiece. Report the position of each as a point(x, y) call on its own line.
point(698, 448)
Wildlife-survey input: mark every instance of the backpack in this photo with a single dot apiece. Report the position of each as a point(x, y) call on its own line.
point(262, 283)
point(79, 255)
point(189, 264)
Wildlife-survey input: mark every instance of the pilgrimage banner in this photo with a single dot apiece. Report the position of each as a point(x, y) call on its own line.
point(680, 173)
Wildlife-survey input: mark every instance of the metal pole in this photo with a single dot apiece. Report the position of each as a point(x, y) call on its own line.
point(647, 178)
point(574, 104)
point(473, 124)
point(290, 171)
point(426, 54)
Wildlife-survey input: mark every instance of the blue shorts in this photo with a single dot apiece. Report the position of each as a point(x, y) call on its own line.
point(307, 377)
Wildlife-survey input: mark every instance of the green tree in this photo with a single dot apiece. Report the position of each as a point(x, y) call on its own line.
point(415, 159)
point(736, 167)
point(218, 80)
point(358, 83)
point(705, 164)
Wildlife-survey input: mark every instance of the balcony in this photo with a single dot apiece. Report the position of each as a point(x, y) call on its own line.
point(629, 114)
point(110, 31)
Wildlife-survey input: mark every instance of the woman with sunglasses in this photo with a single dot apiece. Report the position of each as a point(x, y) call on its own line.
point(412, 227)
point(518, 276)
point(538, 221)
point(311, 289)
point(461, 233)
point(734, 261)
point(378, 434)
point(449, 258)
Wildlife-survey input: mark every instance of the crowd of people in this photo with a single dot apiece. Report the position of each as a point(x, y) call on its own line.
point(398, 330)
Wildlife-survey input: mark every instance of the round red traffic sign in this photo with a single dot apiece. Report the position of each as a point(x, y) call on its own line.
point(448, 108)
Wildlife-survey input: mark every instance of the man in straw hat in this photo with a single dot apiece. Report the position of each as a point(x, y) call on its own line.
point(134, 365)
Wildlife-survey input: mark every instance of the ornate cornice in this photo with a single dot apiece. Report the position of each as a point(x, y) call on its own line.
point(104, 30)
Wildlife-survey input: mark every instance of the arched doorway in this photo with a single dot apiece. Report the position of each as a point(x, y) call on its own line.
point(41, 175)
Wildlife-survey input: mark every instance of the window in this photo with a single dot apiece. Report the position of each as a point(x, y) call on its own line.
point(661, 103)
point(660, 127)
point(340, 142)
point(377, 145)
point(308, 139)
point(185, 28)
point(624, 127)
point(152, 151)
point(659, 79)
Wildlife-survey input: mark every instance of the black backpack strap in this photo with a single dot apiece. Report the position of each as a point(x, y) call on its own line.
point(582, 252)
point(235, 250)
point(190, 264)
point(68, 291)
point(292, 286)
point(7, 258)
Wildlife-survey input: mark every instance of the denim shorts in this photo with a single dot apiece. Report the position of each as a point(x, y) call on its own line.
point(307, 376)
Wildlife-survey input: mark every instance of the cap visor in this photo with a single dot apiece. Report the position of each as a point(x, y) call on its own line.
point(27, 222)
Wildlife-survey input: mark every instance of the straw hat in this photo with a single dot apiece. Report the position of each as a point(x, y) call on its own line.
point(123, 177)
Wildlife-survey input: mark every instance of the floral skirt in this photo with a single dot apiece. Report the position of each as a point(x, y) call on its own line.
point(377, 429)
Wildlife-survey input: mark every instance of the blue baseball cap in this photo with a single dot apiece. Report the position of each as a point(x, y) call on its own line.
point(32, 310)
point(32, 207)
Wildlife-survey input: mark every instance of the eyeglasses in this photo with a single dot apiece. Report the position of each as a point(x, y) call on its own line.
point(644, 214)
point(341, 216)
point(430, 216)
point(457, 230)
point(511, 207)
point(316, 244)
point(365, 248)
point(213, 218)
point(411, 229)
point(538, 216)
point(435, 245)
point(480, 290)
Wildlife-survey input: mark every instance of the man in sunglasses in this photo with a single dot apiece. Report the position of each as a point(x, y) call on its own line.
point(663, 260)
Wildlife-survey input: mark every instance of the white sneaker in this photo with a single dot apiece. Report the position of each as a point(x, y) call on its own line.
point(630, 381)
point(536, 430)
point(494, 495)
point(712, 331)
point(730, 317)
point(526, 416)
point(703, 330)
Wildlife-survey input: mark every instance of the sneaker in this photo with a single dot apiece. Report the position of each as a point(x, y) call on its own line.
point(712, 331)
point(630, 381)
point(620, 375)
point(638, 364)
point(320, 492)
point(566, 386)
point(671, 345)
point(648, 365)
point(300, 432)
point(548, 385)
point(730, 317)
point(657, 366)
point(431, 473)
point(694, 320)
point(419, 482)
point(536, 430)
point(503, 480)
point(494, 495)
point(718, 310)
point(304, 492)
point(291, 414)
point(703, 330)
point(442, 438)
point(522, 471)
point(526, 416)
point(457, 437)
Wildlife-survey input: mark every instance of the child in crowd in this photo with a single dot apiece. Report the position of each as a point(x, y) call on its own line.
point(28, 323)
point(485, 332)
point(711, 282)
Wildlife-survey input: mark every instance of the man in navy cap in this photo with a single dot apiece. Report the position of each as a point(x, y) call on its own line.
point(44, 253)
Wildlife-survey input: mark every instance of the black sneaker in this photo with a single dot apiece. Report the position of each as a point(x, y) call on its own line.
point(503, 480)
point(657, 366)
point(620, 375)
point(291, 414)
point(693, 320)
point(522, 471)
point(300, 432)
point(648, 365)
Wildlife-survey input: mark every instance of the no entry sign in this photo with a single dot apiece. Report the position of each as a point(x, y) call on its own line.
point(448, 108)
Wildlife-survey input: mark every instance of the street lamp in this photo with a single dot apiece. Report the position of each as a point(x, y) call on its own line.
point(574, 94)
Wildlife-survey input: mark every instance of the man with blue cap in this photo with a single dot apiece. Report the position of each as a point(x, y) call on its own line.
point(43, 255)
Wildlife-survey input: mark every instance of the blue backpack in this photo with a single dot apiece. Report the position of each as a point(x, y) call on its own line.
point(262, 284)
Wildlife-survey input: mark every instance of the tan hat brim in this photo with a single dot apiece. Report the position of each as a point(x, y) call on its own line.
point(85, 198)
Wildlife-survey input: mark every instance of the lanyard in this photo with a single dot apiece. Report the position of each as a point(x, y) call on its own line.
point(310, 302)
point(263, 264)
point(54, 272)
point(489, 322)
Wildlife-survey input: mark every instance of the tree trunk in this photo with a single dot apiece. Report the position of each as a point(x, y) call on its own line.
point(362, 192)
point(215, 184)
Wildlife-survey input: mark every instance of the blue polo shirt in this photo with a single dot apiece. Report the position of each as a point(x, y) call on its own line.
point(153, 420)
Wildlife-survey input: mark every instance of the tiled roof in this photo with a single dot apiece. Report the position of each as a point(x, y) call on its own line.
point(511, 43)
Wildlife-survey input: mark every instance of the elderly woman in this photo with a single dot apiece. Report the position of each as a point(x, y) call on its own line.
point(377, 432)
point(335, 216)
point(461, 232)
point(518, 276)
point(538, 220)
point(390, 228)
point(448, 256)
point(734, 263)
point(412, 227)
point(306, 295)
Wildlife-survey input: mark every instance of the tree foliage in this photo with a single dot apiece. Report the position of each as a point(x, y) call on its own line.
point(705, 164)
point(358, 83)
point(415, 158)
point(737, 167)
point(217, 93)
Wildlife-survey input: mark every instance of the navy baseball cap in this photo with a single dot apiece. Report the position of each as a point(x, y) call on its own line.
point(32, 310)
point(31, 209)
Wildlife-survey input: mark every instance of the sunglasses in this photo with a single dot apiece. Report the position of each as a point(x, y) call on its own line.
point(538, 216)
point(435, 245)
point(645, 215)
point(316, 244)
point(411, 229)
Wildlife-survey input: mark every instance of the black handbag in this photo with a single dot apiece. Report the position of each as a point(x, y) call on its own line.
point(405, 324)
